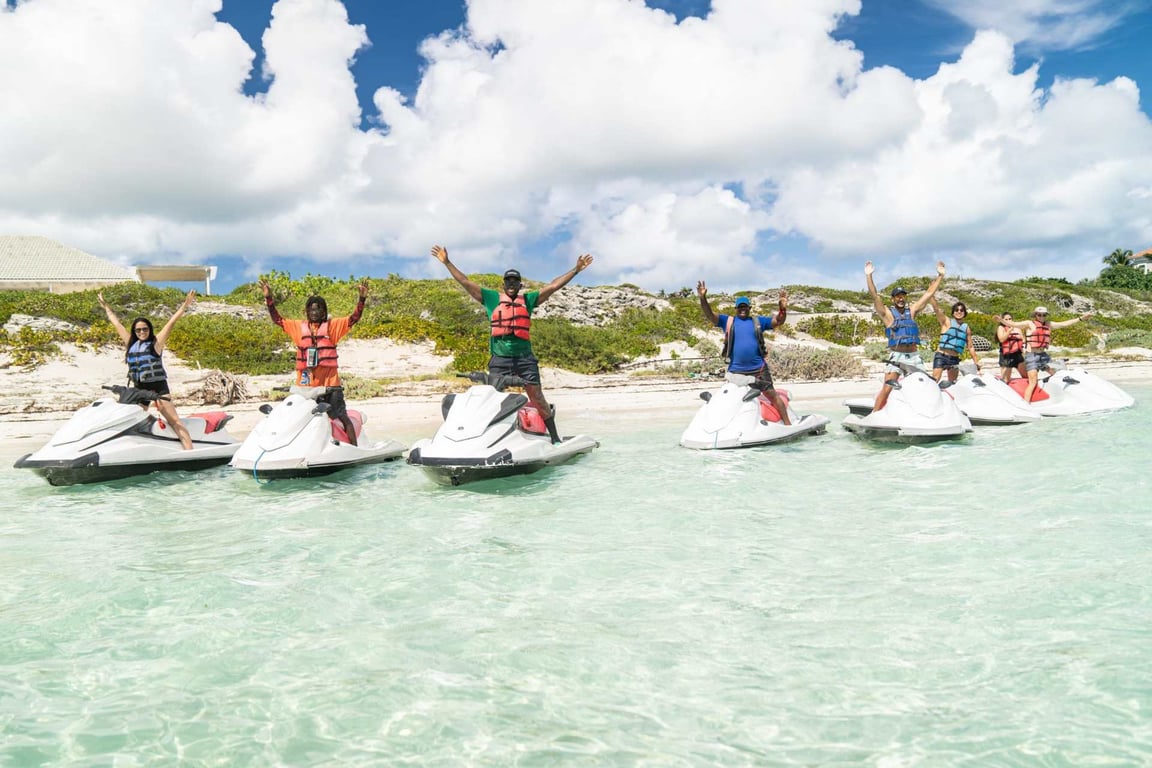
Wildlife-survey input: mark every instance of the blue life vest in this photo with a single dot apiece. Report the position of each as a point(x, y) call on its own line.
point(903, 330)
point(955, 338)
point(144, 363)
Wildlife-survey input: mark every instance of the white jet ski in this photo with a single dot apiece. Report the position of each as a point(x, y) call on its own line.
point(1072, 392)
point(489, 433)
point(298, 439)
point(917, 411)
point(738, 416)
point(986, 400)
point(117, 437)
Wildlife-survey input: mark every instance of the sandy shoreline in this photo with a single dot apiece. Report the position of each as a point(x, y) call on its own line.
point(33, 404)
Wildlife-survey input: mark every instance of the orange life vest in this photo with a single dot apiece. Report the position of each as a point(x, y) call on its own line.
point(511, 318)
point(325, 354)
point(1040, 337)
point(1013, 344)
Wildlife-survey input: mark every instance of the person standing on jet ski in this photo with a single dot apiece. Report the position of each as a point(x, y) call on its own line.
point(1038, 335)
point(744, 342)
point(145, 369)
point(510, 315)
point(1011, 350)
point(955, 337)
point(316, 338)
point(901, 329)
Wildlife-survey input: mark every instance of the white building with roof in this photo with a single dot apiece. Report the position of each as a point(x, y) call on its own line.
point(1142, 261)
point(34, 263)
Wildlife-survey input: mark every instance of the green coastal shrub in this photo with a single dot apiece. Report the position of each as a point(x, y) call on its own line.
point(30, 348)
point(845, 330)
point(793, 363)
point(1129, 337)
point(81, 308)
point(233, 344)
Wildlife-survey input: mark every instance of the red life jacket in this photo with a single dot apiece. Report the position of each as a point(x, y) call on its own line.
point(1040, 337)
point(1013, 344)
point(511, 318)
point(326, 354)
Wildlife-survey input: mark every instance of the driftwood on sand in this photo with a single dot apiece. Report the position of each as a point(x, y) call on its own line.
point(219, 388)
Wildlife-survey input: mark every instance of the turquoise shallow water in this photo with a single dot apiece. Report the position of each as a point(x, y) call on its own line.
point(825, 603)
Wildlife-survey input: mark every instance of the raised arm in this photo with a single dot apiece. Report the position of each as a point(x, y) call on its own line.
point(121, 331)
point(705, 307)
point(943, 318)
point(356, 313)
point(1023, 325)
point(1073, 321)
point(782, 314)
point(581, 264)
point(270, 302)
point(441, 255)
point(932, 288)
point(162, 337)
point(884, 313)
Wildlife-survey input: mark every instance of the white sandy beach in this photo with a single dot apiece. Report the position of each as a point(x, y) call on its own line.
point(33, 403)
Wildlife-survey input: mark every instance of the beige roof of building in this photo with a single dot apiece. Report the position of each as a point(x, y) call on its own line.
point(39, 259)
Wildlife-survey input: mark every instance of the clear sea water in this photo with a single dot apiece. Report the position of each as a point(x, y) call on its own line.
point(826, 603)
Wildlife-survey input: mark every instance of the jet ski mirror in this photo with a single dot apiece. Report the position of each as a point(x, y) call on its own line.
point(706, 396)
point(266, 409)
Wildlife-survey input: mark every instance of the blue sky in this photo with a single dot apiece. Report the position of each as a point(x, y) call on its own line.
point(742, 141)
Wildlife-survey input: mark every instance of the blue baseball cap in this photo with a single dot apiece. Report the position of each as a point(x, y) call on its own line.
point(743, 301)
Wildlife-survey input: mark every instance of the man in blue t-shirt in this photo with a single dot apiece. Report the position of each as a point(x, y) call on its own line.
point(744, 342)
point(510, 320)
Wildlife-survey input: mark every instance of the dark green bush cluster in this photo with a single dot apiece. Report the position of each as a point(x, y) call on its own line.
point(1125, 278)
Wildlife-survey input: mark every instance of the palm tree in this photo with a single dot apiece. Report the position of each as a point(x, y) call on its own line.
point(1118, 258)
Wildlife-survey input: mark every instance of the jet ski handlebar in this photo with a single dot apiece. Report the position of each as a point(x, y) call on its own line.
point(132, 395)
point(497, 381)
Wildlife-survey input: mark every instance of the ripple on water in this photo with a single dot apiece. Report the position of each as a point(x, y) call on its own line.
point(823, 602)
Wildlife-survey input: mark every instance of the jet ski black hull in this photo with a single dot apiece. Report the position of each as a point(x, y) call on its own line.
point(457, 475)
point(316, 470)
point(87, 469)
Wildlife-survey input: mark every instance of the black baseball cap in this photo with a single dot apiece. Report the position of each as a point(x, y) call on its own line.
point(512, 274)
point(898, 290)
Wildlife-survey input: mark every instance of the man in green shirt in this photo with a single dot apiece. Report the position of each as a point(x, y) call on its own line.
point(510, 318)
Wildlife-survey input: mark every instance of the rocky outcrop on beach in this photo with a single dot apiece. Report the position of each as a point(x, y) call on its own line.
point(584, 305)
point(16, 322)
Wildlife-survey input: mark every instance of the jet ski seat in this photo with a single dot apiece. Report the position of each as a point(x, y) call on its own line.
point(214, 421)
point(338, 432)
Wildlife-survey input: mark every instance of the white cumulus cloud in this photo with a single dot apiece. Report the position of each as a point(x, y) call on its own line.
point(737, 148)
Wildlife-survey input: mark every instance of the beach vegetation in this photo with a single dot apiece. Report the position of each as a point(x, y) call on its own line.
point(438, 311)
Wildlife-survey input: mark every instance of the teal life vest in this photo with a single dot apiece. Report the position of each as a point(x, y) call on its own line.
point(955, 338)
